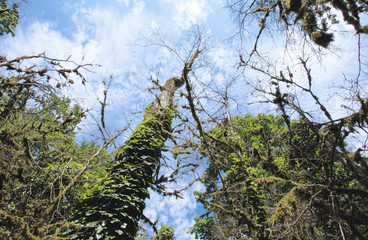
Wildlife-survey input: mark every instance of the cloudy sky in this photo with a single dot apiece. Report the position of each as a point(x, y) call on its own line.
point(113, 34)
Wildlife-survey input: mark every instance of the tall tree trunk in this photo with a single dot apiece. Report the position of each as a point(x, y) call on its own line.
point(112, 210)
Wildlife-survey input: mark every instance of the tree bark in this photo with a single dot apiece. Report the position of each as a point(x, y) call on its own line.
point(112, 209)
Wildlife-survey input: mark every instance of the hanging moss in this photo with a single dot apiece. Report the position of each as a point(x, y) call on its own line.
point(309, 23)
point(284, 207)
point(363, 29)
point(323, 39)
point(292, 5)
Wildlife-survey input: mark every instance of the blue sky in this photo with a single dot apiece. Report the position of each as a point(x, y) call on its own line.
point(108, 33)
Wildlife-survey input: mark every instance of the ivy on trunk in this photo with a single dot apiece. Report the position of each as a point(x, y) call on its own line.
point(111, 210)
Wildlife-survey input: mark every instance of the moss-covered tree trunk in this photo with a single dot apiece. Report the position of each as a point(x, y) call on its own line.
point(112, 210)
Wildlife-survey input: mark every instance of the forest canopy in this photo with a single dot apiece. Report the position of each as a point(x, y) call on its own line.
point(268, 180)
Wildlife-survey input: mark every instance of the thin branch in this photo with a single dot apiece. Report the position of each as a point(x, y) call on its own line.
point(300, 215)
point(79, 174)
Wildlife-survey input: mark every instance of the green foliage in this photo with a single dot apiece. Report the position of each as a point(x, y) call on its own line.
point(8, 17)
point(42, 169)
point(265, 180)
point(202, 227)
point(112, 210)
point(165, 233)
point(39, 159)
point(229, 179)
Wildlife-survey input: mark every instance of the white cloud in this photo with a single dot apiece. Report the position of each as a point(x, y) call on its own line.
point(189, 12)
point(124, 1)
point(176, 212)
point(155, 26)
point(38, 38)
point(104, 37)
point(139, 7)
